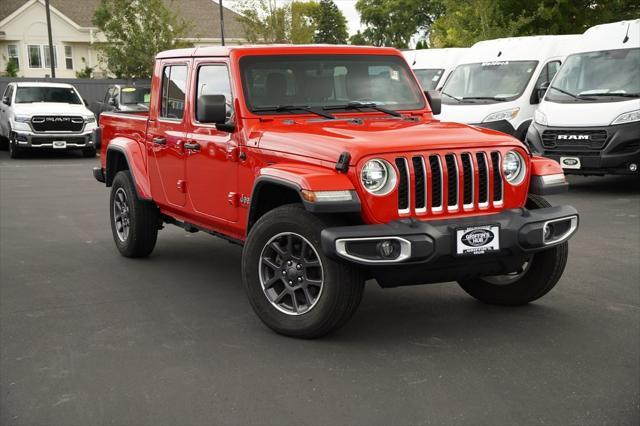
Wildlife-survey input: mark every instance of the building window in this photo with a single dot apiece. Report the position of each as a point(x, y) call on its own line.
point(68, 57)
point(13, 55)
point(35, 56)
point(47, 61)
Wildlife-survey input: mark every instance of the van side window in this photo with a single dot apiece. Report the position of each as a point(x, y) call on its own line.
point(214, 80)
point(547, 73)
point(174, 87)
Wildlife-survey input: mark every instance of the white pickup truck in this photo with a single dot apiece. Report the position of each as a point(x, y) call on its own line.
point(40, 116)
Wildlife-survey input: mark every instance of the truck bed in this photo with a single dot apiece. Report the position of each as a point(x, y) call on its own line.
point(114, 125)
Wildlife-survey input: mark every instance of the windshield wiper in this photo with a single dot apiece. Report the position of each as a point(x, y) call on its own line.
point(451, 96)
point(573, 95)
point(484, 98)
point(360, 105)
point(622, 95)
point(283, 108)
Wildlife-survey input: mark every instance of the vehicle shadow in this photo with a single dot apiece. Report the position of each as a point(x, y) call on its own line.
point(605, 184)
point(44, 155)
point(416, 316)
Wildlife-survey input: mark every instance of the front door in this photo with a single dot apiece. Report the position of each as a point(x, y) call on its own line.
point(166, 136)
point(212, 162)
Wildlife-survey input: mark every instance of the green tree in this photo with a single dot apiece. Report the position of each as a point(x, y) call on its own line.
point(12, 68)
point(264, 21)
point(136, 30)
point(395, 22)
point(464, 23)
point(304, 21)
point(86, 71)
point(331, 24)
point(359, 39)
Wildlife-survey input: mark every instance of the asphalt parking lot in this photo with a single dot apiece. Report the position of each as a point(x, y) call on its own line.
point(89, 337)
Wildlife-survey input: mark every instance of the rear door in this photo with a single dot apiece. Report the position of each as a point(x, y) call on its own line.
point(167, 134)
point(212, 165)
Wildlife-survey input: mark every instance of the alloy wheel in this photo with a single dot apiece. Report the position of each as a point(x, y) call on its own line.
point(291, 273)
point(121, 214)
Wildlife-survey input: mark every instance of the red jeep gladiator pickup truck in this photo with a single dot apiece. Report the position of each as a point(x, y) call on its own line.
point(325, 163)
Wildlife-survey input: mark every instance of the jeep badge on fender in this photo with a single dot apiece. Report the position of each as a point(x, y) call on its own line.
point(325, 163)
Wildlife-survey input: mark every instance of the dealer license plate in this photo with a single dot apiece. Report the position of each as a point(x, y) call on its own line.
point(477, 239)
point(59, 144)
point(570, 162)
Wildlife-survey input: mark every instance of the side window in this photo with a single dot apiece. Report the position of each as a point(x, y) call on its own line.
point(547, 73)
point(8, 93)
point(214, 80)
point(108, 95)
point(174, 85)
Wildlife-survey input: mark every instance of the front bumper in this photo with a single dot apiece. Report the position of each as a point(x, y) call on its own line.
point(427, 250)
point(32, 140)
point(614, 154)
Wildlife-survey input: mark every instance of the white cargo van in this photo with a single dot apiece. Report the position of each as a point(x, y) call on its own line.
point(433, 66)
point(496, 82)
point(589, 119)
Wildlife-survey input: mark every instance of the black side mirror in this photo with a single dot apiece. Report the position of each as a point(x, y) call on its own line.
point(435, 101)
point(112, 102)
point(538, 94)
point(213, 109)
point(6, 100)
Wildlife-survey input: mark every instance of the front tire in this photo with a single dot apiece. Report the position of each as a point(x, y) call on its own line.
point(292, 286)
point(536, 278)
point(14, 150)
point(134, 222)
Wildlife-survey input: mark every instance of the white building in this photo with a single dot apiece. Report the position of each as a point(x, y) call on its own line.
point(24, 39)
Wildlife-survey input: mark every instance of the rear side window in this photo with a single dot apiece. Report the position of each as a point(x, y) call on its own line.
point(174, 87)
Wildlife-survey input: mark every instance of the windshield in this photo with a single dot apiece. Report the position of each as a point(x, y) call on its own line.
point(328, 81)
point(488, 82)
point(429, 78)
point(135, 95)
point(604, 76)
point(67, 95)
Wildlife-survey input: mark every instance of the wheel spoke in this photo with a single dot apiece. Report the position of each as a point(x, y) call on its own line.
point(281, 296)
point(276, 247)
point(271, 281)
point(270, 264)
point(289, 244)
point(307, 296)
point(294, 301)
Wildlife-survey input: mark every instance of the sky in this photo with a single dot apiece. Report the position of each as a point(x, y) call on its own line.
point(348, 8)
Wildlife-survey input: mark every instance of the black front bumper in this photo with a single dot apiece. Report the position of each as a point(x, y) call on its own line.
point(618, 150)
point(429, 248)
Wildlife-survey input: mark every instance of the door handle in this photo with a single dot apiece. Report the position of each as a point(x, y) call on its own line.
point(160, 141)
point(195, 146)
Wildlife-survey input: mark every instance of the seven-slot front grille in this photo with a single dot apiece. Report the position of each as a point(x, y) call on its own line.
point(46, 123)
point(438, 182)
point(574, 139)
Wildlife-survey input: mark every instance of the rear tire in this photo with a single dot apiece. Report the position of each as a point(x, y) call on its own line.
point(134, 222)
point(292, 286)
point(540, 275)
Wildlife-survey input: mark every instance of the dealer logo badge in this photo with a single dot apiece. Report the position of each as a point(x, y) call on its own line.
point(477, 237)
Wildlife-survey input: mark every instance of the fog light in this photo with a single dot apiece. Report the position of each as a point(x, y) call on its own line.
point(633, 167)
point(388, 249)
point(548, 232)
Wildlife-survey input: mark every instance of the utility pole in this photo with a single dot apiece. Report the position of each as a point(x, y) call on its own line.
point(221, 21)
point(51, 57)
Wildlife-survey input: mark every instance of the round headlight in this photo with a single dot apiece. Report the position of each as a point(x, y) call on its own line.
point(378, 177)
point(513, 167)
